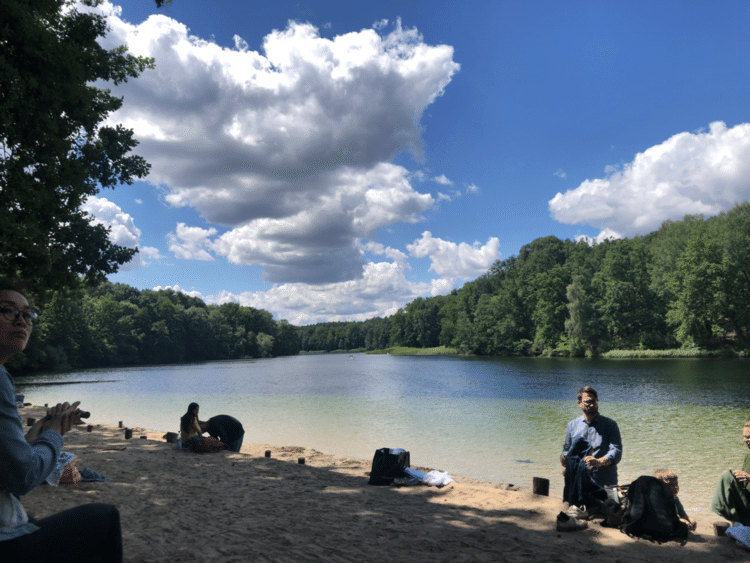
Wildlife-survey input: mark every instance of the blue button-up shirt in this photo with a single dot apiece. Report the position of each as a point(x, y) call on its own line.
point(604, 436)
point(23, 466)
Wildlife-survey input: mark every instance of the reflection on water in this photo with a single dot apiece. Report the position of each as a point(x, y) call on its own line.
point(473, 417)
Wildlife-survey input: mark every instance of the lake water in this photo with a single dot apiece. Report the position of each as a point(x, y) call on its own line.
point(500, 420)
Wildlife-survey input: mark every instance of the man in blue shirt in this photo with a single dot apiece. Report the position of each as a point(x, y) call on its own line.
point(603, 436)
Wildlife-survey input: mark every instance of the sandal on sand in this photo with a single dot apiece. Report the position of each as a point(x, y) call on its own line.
point(567, 523)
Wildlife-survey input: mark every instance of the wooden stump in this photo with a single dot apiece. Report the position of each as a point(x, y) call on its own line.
point(30, 421)
point(720, 528)
point(120, 423)
point(89, 428)
point(128, 433)
point(540, 486)
point(301, 460)
point(268, 453)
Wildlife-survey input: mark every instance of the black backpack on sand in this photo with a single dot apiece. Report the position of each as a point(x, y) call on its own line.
point(651, 512)
point(388, 464)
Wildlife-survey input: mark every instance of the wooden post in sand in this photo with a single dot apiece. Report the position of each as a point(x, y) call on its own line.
point(89, 428)
point(301, 460)
point(120, 424)
point(128, 433)
point(720, 528)
point(540, 486)
point(30, 421)
point(268, 453)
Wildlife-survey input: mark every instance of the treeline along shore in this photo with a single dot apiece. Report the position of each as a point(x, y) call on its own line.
point(685, 287)
point(118, 325)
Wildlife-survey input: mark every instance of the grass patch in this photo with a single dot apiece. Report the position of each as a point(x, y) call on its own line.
point(407, 351)
point(674, 353)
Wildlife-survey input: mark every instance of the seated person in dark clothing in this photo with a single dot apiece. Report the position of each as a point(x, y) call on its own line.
point(227, 429)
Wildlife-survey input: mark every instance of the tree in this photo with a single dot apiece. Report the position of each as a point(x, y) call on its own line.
point(581, 323)
point(54, 153)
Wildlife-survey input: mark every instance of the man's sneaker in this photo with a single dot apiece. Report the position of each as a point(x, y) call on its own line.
point(567, 523)
point(579, 513)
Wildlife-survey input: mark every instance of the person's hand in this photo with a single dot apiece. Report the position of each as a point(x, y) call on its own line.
point(690, 523)
point(741, 476)
point(564, 461)
point(35, 430)
point(591, 461)
point(61, 417)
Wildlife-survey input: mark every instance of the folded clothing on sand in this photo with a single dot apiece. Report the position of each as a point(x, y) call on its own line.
point(91, 476)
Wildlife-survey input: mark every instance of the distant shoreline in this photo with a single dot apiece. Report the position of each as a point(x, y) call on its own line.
point(610, 355)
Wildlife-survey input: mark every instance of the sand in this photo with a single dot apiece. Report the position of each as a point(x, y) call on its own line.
point(180, 506)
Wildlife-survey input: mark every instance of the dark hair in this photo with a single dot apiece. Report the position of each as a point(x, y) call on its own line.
point(17, 286)
point(589, 391)
point(186, 421)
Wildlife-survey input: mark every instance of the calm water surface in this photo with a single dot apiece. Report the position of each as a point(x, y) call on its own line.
point(501, 420)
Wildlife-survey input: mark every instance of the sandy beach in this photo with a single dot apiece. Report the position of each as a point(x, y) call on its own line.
point(180, 506)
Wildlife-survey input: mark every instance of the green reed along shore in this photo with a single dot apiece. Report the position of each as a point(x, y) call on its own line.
point(611, 354)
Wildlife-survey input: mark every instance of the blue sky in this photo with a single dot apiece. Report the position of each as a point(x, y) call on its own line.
point(335, 160)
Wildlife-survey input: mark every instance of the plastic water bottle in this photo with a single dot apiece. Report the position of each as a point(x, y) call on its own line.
point(178, 444)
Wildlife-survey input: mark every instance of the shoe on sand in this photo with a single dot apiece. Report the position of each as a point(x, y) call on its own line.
point(579, 513)
point(567, 523)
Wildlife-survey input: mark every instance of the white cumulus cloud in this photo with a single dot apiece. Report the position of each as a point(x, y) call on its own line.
point(289, 147)
point(122, 229)
point(381, 291)
point(705, 172)
point(454, 261)
point(190, 243)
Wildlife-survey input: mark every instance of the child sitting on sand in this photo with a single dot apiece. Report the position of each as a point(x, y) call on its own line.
point(670, 478)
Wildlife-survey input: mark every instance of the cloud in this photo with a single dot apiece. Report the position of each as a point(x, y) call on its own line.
point(380, 292)
point(122, 229)
point(560, 173)
point(189, 243)
point(150, 252)
point(442, 179)
point(606, 234)
point(456, 261)
point(705, 172)
point(472, 189)
point(288, 147)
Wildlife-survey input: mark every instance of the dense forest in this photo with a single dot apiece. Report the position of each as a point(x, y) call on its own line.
point(686, 285)
point(115, 324)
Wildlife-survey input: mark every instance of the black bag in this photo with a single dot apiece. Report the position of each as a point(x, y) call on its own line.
point(388, 464)
point(651, 512)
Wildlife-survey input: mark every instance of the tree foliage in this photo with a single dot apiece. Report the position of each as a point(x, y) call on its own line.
point(54, 150)
point(687, 284)
point(117, 325)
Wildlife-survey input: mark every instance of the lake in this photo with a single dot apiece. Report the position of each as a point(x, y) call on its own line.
point(499, 420)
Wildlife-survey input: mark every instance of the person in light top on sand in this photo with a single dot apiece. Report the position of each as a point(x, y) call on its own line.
point(190, 427)
point(85, 533)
